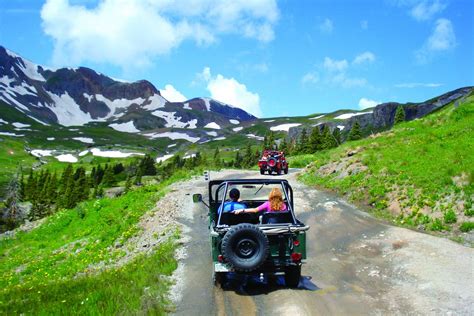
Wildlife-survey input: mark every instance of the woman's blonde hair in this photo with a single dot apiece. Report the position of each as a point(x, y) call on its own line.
point(276, 199)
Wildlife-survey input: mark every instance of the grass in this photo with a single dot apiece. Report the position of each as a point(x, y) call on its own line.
point(48, 270)
point(426, 164)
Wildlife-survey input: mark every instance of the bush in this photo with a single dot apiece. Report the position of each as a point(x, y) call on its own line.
point(450, 217)
point(466, 226)
point(437, 225)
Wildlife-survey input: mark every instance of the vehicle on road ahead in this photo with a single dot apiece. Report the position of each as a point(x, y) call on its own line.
point(272, 243)
point(273, 161)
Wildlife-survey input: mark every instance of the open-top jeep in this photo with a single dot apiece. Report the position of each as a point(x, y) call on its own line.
point(273, 161)
point(272, 243)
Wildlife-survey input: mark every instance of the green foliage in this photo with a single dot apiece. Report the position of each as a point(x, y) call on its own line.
point(466, 227)
point(355, 132)
point(399, 115)
point(437, 225)
point(450, 217)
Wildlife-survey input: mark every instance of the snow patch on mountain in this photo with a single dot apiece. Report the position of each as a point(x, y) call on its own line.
point(212, 125)
point(7, 98)
point(173, 136)
point(341, 127)
point(5, 80)
point(255, 137)
point(186, 106)
point(235, 122)
point(3, 122)
point(68, 111)
point(66, 158)
point(269, 121)
point(156, 102)
point(116, 104)
point(163, 158)
point(20, 125)
point(317, 117)
point(41, 152)
point(172, 121)
point(88, 97)
point(50, 138)
point(128, 127)
point(28, 68)
point(237, 129)
point(212, 133)
point(284, 127)
point(349, 115)
point(207, 103)
point(219, 138)
point(11, 134)
point(113, 153)
point(85, 140)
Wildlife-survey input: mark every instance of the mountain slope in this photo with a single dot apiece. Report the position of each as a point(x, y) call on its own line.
point(420, 173)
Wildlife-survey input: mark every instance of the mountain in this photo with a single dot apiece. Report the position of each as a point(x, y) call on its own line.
point(79, 96)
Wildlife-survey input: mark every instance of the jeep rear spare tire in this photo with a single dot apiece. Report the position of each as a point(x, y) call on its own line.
point(245, 247)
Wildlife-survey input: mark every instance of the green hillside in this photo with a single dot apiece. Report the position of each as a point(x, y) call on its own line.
point(419, 174)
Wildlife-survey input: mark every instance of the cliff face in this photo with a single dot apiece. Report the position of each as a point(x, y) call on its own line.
point(383, 115)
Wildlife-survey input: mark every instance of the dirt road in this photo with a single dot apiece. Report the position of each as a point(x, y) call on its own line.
point(358, 264)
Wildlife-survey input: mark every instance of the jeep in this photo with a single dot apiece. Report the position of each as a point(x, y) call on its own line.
point(273, 161)
point(272, 243)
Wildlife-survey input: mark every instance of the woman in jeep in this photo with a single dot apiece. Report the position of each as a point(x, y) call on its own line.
point(274, 204)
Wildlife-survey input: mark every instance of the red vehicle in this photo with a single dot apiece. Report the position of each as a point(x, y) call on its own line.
point(273, 161)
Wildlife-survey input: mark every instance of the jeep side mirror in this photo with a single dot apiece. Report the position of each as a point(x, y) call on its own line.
point(197, 198)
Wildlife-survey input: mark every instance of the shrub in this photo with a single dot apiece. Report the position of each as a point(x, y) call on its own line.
point(437, 225)
point(466, 226)
point(469, 212)
point(450, 217)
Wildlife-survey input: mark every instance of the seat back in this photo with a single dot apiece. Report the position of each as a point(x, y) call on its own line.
point(277, 218)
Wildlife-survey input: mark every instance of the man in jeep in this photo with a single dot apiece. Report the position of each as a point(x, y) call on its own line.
point(234, 204)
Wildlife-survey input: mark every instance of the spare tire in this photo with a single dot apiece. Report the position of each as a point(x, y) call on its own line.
point(271, 162)
point(245, 247)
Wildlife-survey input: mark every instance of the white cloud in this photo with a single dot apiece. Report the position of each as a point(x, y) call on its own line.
point(230, 91)
point(172, 95)
point(442, 39)
point(327, 26)
point(348, 82)
point(130, 33)
point(365, 57)
point(411, 85)
point(310, 77)
point(335, 65)
point(425, 10)
point(364, 24)
point(365, 103)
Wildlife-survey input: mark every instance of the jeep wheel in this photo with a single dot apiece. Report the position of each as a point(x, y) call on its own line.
point(279, 171)
point(245, 247)
point(292, 276)
point(286, 170)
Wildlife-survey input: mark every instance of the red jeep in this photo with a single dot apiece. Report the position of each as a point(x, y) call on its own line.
point(273, 161)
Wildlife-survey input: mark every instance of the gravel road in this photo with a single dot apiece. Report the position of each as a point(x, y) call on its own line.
point(358, 264)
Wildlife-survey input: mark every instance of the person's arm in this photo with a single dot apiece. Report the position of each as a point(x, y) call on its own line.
point(253, 210)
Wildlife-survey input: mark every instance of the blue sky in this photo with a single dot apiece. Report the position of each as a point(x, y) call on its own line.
point(272, 58)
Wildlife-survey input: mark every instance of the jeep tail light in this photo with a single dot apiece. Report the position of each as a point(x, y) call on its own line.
point(296, 242)
point(296, 257)
point(220, 258)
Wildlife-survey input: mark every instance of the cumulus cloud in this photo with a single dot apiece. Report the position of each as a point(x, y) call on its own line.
point(310, 77)
point(327, 26)
point(365, 103)
point(442, 39)
point(425, 10)
point(365, 57)
point(230, 91)
point(130, 33)
point(335, 65)
point(411, 85)
point(171, 94)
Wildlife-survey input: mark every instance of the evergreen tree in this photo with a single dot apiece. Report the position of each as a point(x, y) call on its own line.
point(315, 140)
point(118, 168)
point(355, 132)
point(128, 183)
point(328, 140)
point(248, 157)
point(108, 180)
point(238, 160)
point(147, 164)
point(217, 158)
point(302, 147)
point(399, 115)
point(284, 145)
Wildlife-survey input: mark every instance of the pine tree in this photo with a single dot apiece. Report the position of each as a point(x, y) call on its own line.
point(248, 157)
point(328, 140)
point(238, 160)
point(399, 115)
point(302, 147)
point(147, 164)
point(315, 140)
point(128, 183)
point(217, 158)
point(108, 180)
point(355, 132)
point(284, 145)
